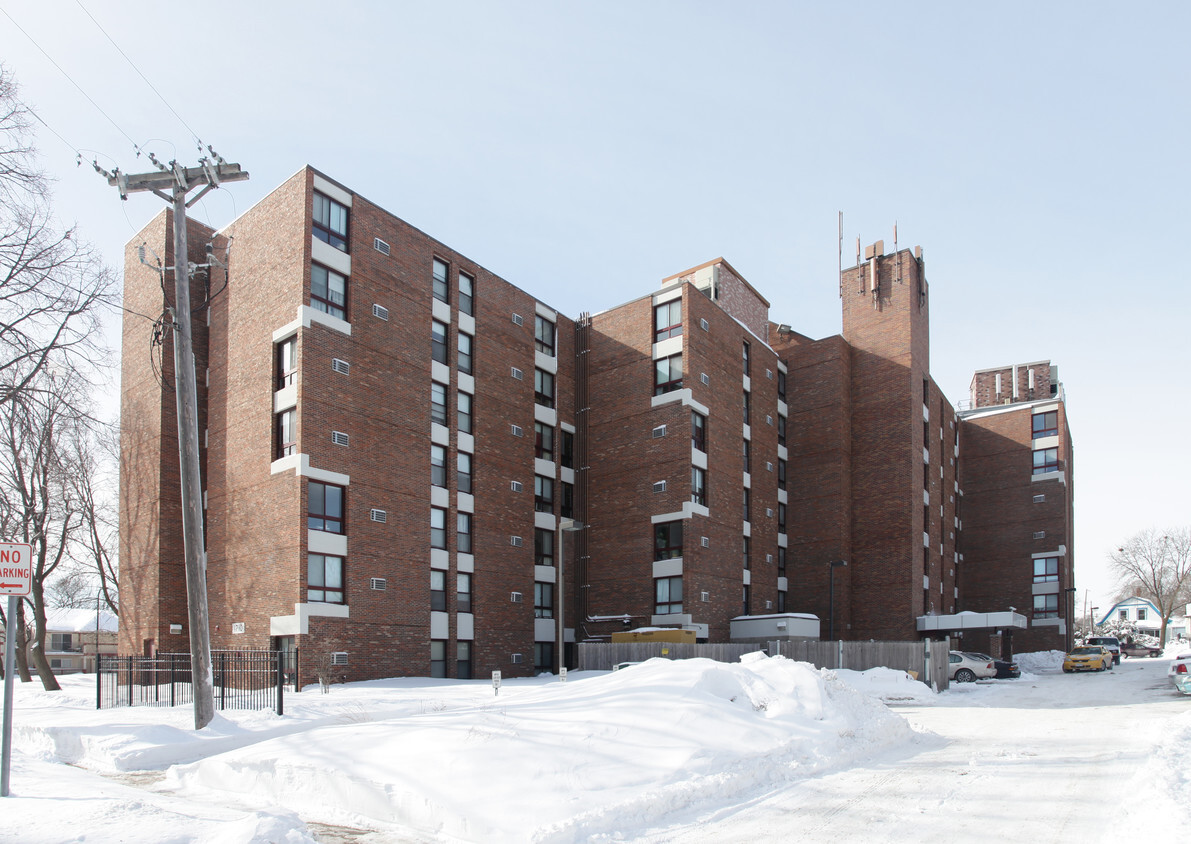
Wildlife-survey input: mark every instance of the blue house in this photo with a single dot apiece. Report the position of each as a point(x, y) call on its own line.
point(1142, 613)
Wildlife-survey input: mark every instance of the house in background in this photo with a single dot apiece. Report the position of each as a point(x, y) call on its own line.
point(72, 640)
point(1145, 616)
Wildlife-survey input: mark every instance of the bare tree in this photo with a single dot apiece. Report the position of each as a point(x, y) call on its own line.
point(1157, 566)
point(53, 287)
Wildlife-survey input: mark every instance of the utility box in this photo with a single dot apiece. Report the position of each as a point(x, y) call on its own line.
point(770, 628)
point(672, 635)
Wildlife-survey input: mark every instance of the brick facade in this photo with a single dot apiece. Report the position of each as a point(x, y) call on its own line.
point(867, 443)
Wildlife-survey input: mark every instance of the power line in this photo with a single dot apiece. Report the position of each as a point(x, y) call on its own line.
point(197, 139)
point(70, 78)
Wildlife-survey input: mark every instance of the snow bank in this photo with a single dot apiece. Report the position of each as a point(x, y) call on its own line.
point(1040, 662)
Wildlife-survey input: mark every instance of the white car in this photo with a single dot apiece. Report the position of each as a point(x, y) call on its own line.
point(1180, 672)
point(965, 668)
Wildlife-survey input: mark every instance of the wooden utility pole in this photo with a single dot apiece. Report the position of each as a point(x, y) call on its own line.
point(179, 181)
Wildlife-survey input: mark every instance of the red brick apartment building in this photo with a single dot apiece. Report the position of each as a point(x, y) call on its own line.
point(413, 467)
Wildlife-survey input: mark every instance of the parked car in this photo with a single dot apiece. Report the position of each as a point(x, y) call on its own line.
point(1006, 669)
point(1180, 672)
point(965, 668)
point(1138, 649)
point(1088, 658)
point(1110, 642)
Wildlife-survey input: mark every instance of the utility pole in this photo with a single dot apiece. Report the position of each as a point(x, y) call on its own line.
point(179, 181)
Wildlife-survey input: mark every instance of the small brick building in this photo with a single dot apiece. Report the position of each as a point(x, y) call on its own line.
point(414, 467)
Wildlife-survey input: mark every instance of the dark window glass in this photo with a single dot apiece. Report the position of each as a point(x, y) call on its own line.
point(463, 533)
point(438, 527)
point(667, 595)
point(745, 604)
point(543, 441)
point(781, 517)
point(438, 465)
point(698, 485)
point(328, 291)
point(667, 320)
point(1046, 569)
point(667, 540)
point(746, 505)
point(781, 430)
point(463, 592)
point(463, 660)
point(699, 431)
point(324, 579)
point(543, 494)
point(566, 505)
point(543, 600)
point(438, 658)
point(667, 374)
point(466, 343)
point(1046, 460)
point(463, 471)
point(330, 221)
point(745, 552)
point(438, 340)
point(781, 473)
point(287, 362)
point(781, 561)
point(438, 403)
point(745, 406)
point(1046, 606)
point(324, 507)
point(287, 432)
point(467, 292)
point(543, 388)
point(440, 284)
point(543, 547)
point(745, 351)
point(543, 333)
point(745, 452)
point(781, 601)
point(543, 657)
point(1045, 424)
point(781, 385)
point(438, 590)
point(568, 450)
point(465, 417)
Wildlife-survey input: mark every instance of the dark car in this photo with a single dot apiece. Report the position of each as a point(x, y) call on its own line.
point(1111, 642)
point(1138, 649)
point(1006, 669)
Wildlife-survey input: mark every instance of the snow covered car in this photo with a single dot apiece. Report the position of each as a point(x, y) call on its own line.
point(1180, 672)
point(1088, 658)
point(965, 668)
point(1111, 642)
point(1138, 649)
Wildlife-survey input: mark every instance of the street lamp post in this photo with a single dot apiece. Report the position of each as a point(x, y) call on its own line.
point(1069, 610)
point(1095, 612)
point(831, 567)
point(565, 525)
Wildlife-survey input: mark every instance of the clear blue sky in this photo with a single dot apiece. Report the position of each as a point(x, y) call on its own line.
point(1037, 152)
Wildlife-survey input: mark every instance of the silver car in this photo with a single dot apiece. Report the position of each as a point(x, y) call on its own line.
point(966, 668)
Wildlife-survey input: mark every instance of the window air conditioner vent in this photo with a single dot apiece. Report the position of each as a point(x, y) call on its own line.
point(517, 320)
point(659, 486)
point(1040, 534)
point(341, 366)
point(516, 430)
point(515, 597)
point(378, 515)
point(517, 373)
point(339, 438)
point(379, 584)
point(703, 377)
point(380, 246)
point(515, 541)
point(704, 597)
point(705, 542)
point(380, 311)
point(339, 658)
point(515, 659)
point(515, 486)
point(659, 432)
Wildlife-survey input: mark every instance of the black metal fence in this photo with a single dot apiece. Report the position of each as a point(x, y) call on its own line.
point(241, 680)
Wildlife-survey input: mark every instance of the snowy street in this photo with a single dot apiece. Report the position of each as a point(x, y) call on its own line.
point(686, 751)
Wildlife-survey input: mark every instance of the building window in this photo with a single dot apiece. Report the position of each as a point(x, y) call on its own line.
point(330, 221)
point(438, 465)
point(699, 485)
point(543, 441)
point(698, 431)
point(667, 540)
point(466, 343)
point(543, 600)
point(567, 457)
point(1045, 424)
point(1046, 460)
point(1046, 606)
point(467, 292)
point(60, 642)
point(287, 432)
point(543, 388)
point(543, 657)
point(667, 320)
point(781, 561)
point(463, 533)
point(463, 660)
point(781, 473)
point(438, 590)
point(287, 362)
point(781, 430)
point(781, 517)
point(465, 404)
point(1046, 569)
point(324, 507)
point(746, 505)
point(746, 455)
point(543, 547)
point(438, 658)
point(438, 341)
point(324, 579)
point(543, 335)
point(667, 374)
point(463, 592)
point(566, 505)
point(463, 472)
point(1141, 613)
point(438, 527)
point(543, 494)
point(667, 595)
point(781, 385)
point(438, 403)
point(745, 608)
point(745, 352)
point(440, 285)
point(328, 291)
point(745, 406)
point(745, 552)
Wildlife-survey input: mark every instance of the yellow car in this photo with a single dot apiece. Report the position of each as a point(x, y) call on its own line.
point(1088, 658)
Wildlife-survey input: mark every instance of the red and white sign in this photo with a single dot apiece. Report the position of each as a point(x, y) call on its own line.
point(16, 569)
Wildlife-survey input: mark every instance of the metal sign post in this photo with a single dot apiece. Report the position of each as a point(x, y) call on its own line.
point(496, 683)
point(16, 581)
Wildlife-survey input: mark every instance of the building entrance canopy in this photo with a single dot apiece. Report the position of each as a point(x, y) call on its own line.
point(971, 621)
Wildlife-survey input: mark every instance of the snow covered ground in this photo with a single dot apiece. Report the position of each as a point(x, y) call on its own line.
point(762, 750)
